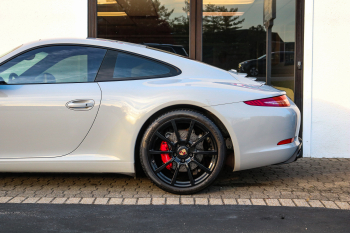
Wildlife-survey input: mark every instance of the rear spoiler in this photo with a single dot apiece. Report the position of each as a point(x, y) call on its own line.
point(244, 75)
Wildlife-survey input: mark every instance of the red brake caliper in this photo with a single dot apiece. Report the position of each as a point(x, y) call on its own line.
point(165, 157)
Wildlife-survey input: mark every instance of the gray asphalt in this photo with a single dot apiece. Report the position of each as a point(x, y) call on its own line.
point(103, 218)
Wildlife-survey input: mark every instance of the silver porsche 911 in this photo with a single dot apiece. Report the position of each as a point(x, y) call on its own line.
point(93, 105)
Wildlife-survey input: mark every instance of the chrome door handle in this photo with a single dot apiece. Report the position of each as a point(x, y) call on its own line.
point(80, 104)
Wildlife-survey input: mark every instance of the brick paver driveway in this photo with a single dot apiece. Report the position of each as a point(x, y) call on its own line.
point(307, 182)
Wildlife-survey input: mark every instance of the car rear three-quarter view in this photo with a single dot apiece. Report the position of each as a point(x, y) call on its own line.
point(90, 105)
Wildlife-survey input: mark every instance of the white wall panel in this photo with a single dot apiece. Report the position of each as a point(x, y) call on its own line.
point(24, 21)
point(327, 79)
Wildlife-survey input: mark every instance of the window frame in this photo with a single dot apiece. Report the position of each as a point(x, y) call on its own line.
point(178, 71)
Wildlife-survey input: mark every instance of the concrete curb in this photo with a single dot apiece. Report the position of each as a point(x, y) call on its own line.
point(180, 201)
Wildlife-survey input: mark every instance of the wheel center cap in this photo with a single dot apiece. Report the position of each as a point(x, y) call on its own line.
point(182, 152)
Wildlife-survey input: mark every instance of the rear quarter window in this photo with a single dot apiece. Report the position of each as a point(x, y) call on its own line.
point(123, 66)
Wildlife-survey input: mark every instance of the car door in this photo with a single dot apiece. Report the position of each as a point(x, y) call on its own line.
point(48, 100)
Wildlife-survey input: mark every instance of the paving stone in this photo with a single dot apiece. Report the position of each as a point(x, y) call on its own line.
point(343, 205)
point(315, 203)
point(187, 201)
point(171, 195)
point(343, 197)
point(323, 180)
point(87, 200)
point(286, 195)
point(45, 200)
point(17, 200)
point(258, 201)
point(144, 201)
point(286, 202)
point(330, 204)
point(115, 201)
point(215, 201)
point(59, 200)
point(101, 201)
point(31, 200)
point(243, 202)
point(158, 201)
point(172, 201)
point(130, 201)
point(272, 202)
point(114, 195)
point(229, 201)
point(73, 200)
point(301, 203)
point(256, 195)
point(201, 201)
point(4, 199)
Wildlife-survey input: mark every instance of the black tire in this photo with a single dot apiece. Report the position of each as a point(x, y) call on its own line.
point(202, 158)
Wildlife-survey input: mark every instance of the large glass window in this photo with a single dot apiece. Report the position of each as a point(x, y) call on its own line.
point(54, 64)
point(234, 38)
point(162, 24)
point(233, 34)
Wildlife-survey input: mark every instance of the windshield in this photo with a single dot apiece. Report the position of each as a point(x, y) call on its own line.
point(2, 55)
point(262, 57)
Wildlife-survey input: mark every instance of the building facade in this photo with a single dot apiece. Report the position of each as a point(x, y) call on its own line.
point(309, 50)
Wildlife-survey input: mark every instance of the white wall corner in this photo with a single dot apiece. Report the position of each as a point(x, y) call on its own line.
point(308, 76)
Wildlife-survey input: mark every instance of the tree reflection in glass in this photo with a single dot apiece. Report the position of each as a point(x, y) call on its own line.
point(161, 24)
point(234, 38)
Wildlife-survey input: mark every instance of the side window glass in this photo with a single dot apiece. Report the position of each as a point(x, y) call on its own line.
point(123, 66)
point(77, 66)
point(54, 64)
point(18, 68)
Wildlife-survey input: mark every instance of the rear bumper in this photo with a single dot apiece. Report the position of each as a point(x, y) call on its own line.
point(297, 154)
point(256, 131)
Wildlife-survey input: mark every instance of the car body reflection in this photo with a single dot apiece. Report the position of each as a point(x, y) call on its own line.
point(280, 61)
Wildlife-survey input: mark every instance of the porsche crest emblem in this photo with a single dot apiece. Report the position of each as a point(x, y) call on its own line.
point(183, 152)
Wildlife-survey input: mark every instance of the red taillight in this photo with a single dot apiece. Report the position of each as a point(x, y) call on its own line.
point(278, 101)
point(290, 140)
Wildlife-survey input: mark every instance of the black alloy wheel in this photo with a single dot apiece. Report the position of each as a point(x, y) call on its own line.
point(253, 71)
point(182, 152)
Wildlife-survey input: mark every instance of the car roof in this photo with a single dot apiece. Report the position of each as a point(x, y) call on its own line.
point(187, 66)
point(87, 41)
point(113, 44)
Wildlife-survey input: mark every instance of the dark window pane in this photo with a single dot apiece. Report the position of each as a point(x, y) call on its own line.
point(162, 24)
point(54, 64)
point(234, 38)
point(121, 66)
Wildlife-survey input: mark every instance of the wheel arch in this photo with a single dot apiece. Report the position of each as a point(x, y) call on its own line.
point(207, 113)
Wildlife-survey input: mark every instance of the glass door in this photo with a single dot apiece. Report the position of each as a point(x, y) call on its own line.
point(234, 38)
